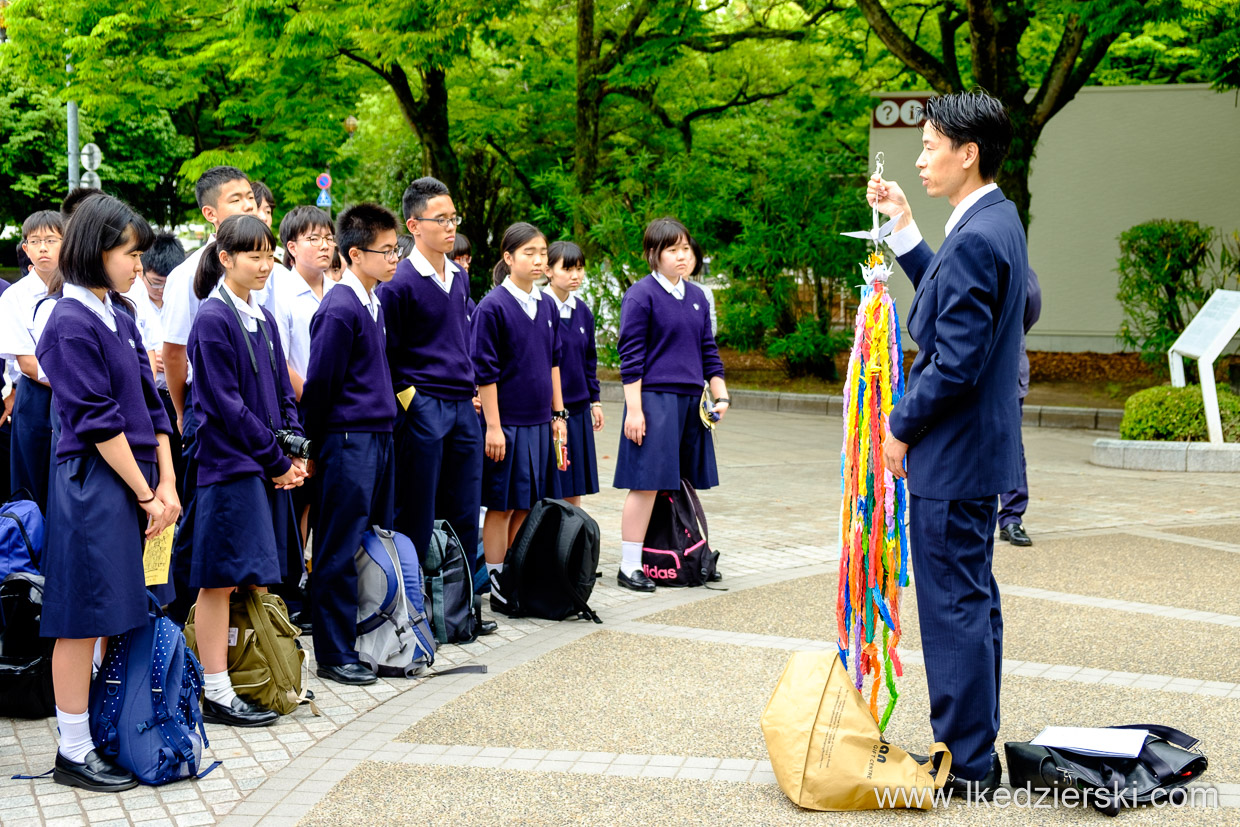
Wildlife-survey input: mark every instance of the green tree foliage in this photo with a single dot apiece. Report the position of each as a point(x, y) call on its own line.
point(1167, 271)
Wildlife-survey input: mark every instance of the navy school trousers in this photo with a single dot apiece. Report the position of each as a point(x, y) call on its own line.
point(187, 489)
point(30, 463)
point(439, 454)
point(356, 472)
point(961, 624)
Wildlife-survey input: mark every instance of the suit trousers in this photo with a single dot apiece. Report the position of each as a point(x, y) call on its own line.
point(1013, 504)
point(961, 624)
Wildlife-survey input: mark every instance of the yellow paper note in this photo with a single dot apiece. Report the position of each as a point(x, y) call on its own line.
point(157, 557)
point(405, 397)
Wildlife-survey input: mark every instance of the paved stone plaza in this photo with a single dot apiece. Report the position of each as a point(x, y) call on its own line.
point(1126, 610)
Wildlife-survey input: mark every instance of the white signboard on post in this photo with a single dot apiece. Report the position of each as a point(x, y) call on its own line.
point(1204, 339)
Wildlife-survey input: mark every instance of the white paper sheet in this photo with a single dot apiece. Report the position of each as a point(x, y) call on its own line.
point(1126, 743)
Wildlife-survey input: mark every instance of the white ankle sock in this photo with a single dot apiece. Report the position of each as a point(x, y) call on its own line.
point(630, 557)
point(494, 568)
point(75, 740)
point(219, 688)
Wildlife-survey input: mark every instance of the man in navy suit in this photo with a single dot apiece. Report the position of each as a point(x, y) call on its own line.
point(958, 426)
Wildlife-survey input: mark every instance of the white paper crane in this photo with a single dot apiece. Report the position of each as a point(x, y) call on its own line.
point(875, 268)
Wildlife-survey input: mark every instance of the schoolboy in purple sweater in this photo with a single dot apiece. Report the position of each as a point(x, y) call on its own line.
point(428, 310)
point(350, 409)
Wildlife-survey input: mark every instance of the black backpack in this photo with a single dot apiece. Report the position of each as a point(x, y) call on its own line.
point(675, 551)
point(448, 583)
point(552, 566)
point(25, 657)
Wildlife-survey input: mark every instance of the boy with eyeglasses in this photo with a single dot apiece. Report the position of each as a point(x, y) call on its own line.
point(308, 240)
point(31, 450)
point(349, 411)
point(438, 432)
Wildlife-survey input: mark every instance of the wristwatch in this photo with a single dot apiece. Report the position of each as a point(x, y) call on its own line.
point(559, 415)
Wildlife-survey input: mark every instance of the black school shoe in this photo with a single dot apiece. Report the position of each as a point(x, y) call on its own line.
point(350, 674)
point(240, 713)
point(95, 773)
point(1015, 534)
point(637, 582)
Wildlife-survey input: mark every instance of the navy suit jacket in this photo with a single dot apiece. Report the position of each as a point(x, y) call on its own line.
point(961, 412)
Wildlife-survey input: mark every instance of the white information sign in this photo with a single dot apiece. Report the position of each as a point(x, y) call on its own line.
point(90, 179)
point(1204, 339)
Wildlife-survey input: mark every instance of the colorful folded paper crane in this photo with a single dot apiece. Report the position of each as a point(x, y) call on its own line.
point(874, 545)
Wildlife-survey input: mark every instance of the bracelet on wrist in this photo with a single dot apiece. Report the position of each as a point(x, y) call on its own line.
point(596, 404)
point(148, 499)
point(723, 399)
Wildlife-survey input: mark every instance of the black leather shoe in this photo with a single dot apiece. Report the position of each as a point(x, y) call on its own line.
point(638, 582)
point(94, 773)
point(1015, 534)
point(240, 713)
point(715, 577)
point(487, 627)
point(977, 790)
point(352, 674)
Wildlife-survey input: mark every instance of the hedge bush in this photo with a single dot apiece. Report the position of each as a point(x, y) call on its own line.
point(1167, 414)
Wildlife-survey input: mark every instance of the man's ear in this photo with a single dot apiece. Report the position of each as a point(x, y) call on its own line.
point(971, 155)
point(412, 225)
point(208, 212)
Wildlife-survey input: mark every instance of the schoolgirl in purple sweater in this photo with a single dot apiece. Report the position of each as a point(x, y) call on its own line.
point(667, 352)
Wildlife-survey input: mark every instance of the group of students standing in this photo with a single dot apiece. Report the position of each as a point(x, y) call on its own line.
point(253, 404)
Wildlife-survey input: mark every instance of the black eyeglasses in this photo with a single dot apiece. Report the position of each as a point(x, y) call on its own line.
point(390, 255)
point(320, 240)
point(447, 223)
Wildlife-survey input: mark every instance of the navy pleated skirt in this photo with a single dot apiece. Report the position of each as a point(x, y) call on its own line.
point(92, 557)
point(244, 534)
point(581, 476)
point(676, 446)
point(520, 480)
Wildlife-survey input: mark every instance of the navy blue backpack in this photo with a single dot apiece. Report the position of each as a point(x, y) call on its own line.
point(144, 710)
point(21, 535)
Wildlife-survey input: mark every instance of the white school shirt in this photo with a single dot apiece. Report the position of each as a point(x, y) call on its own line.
point(368, 300)
point(17, 305)
point(149, 325)
point(251, 311)
point(677, 290)
point(100, 307)
point(903, 242)
point(295, 304)
point(528, 301)
point(424, 268)
point(566, 307)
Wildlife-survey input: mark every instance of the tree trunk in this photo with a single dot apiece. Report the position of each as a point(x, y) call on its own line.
point(438, 157)
point(1013, 176)
point(589, 104)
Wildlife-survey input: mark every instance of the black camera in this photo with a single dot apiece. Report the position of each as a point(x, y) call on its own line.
point(293, 444)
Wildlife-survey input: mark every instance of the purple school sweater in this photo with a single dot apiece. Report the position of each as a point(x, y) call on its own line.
point(348, 387)
point(666, 342)
point(236, 409)
point(101, 381)
point(428, 333)
point(579, 357)
point(517, 353)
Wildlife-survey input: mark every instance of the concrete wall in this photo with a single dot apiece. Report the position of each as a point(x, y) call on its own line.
point(1112, 158)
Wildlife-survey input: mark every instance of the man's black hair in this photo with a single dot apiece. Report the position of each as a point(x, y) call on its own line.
point(418, 193)
point(262, 193)
point(977, 118)
point(164, 255)
point(359, 225)
point(208, 188)
point(461, 247)
point(76, 197)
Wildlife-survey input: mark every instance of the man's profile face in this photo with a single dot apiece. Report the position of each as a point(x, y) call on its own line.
point(944, 169)
point(435, 236)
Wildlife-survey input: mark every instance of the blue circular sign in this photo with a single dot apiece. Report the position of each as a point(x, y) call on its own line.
point(324, 181)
